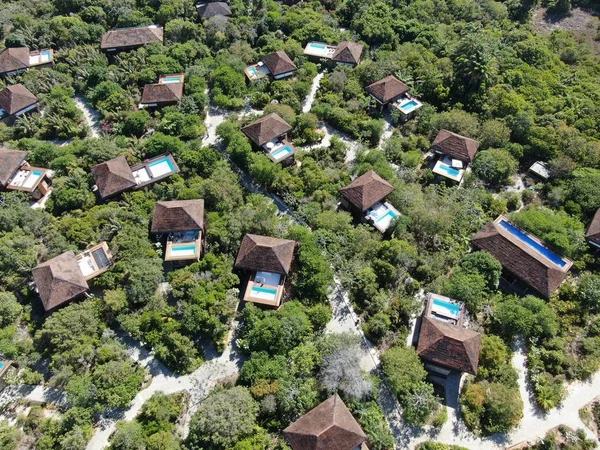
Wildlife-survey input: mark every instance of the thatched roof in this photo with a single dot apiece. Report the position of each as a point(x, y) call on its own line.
point(12, 59)
point(131, 37)
point(207, 10)
point(15, 98)
point(366, 190)
point(113, 176)
point(178, 215)
point(266, 129)
point(10, 162)
point(387, 89)
point(162, 93)
point(593, 230)
point(455, 145)
point(348, 52)
point(59, 280)
point(329, 426)
point(265, 253)
point(449, 345)
point(521, 260)
point(278, 63)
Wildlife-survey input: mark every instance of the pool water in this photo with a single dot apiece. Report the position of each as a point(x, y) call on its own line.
point(409, 106)
point(450, 170)
point(453, 309)
point(263, 292)
point(1, 365)
point(319, 46)
point(533, 244)
point(161, 167)
point(284, 150)
point(183, 250)
point(253, 72)
point(390, 214)
point(171, 80)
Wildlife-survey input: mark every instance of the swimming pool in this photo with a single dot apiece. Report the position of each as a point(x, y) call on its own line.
point(538, 247)
point(167, 80)
point(161, 167)
point(1, 365)
point(452, 309)
point(449, 170)
point(278, 154)
point(390, 214)
point(263, 292)
point(183, 250)
point(409, 106)
point(318, 46)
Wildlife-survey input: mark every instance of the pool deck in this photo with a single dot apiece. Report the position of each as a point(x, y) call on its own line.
point(438, 169)
point(278, 145)
point(248, 297)
point(171, 242)
point(326, 52)
point(144, 166)
point(86, 258)
point(21, 179)
point(260, 72)
point(429, 306)
point(377, 211)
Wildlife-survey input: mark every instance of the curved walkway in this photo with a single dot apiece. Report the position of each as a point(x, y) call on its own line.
point(91, 116)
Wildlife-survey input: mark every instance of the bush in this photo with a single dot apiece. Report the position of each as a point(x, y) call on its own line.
point(495, 166)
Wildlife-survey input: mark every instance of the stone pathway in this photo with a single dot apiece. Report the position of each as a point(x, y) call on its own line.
point(308, 102)
point(92, 117)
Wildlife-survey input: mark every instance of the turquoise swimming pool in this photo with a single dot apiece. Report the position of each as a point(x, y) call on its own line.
point(409, 106)
point(184, 248)
point(452, 308)
point(1, 365)
point(533, 243)
point(450, 170)
point(162, 161)
point(37, 173)
point(390, 214)
point(283, 150)
point(319, 46)
point(171, 80)
point(263, 292)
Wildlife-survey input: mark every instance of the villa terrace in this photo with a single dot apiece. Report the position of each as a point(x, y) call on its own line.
point(16, 174)
point(345, 53)
point(64, 277)
point(390, 91)
point(526, 260)
point(168, 91)
point(183, 222)
point(277, 65)
point(16, 60)
point(270, 134)
point(115, 176)
point(268, 261)
point(365, 197)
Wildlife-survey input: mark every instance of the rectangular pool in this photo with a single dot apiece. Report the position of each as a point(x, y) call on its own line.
point(1, 365)
point(161, 167)
point(282, 152)
point(183, 250)
point(533, 244)
point(408, 105)
point(168, 80)
point(447, 309)
point(319, 49)
point(382, 214)
point(444, 168)
point(264, 292)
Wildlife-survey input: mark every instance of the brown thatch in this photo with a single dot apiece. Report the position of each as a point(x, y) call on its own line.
point(207, 10)
point(59, 280)
point(455, 145)
point(279, 63)
point(348, 52)
point(265, 253)
point(520, 260)
point(12, 59)
point(366, 190)
point(15, 98)
point(266, 129)
point(593, 231)
point(387, 89)
point(449, 345)
point(329, 426)
point(162, 93)
point(178, 215)
point(131, 37)
point(10, 162)
point(113, 176)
